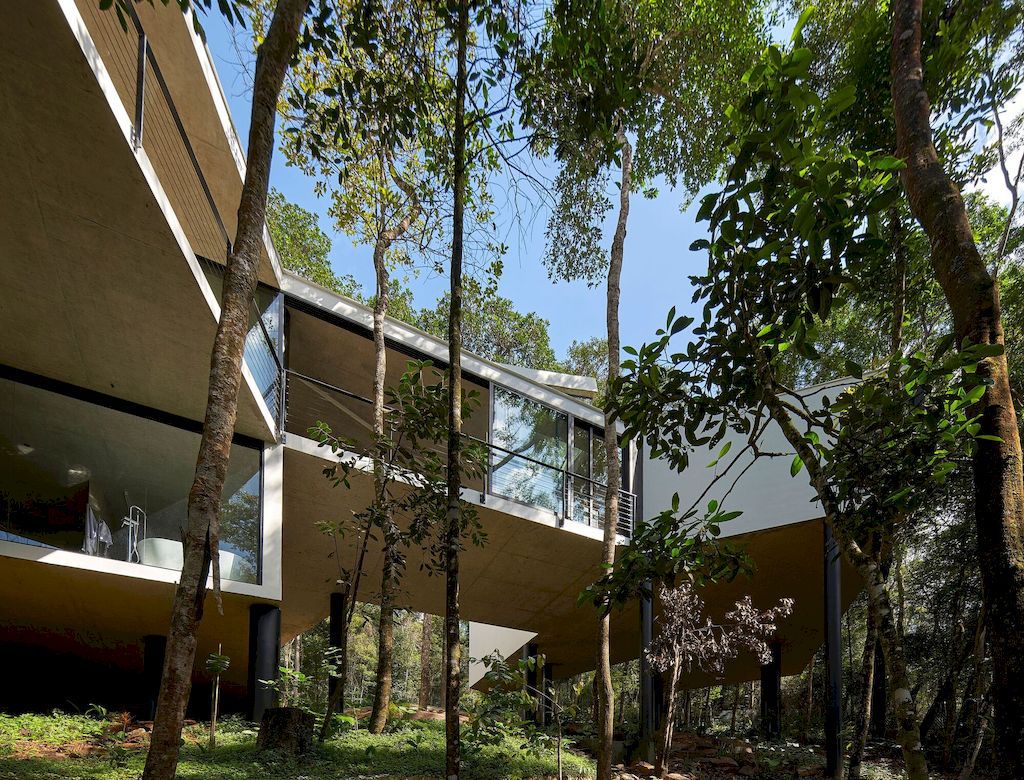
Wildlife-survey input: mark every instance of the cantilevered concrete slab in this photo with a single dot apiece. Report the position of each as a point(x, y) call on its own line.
point(98, 292)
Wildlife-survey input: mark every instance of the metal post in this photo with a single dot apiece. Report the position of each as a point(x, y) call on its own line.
point(140, 90)
point(771, 694)
point(336, 627)
point(647, 715)
point(833, 657)
point(153, 648)
point(533, 683)
point(264, 657)
point(548, 702)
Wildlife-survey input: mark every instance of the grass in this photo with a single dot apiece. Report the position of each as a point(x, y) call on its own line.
point(31, 745)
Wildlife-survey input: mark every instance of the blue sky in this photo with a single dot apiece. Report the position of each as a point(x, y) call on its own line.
point(657, 260)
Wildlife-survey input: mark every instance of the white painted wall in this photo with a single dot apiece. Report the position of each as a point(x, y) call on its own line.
point(485, 639)
point(766, 494)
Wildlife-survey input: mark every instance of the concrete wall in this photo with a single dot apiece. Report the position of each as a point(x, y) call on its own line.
point(766, 493)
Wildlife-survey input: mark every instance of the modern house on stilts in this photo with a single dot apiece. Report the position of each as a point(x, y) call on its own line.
point(121, 172)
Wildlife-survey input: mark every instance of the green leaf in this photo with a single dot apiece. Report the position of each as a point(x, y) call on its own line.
point(798, 29)
point(795, 466)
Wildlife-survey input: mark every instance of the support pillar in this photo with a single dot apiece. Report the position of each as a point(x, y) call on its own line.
point(533, 683)
point(264, 657)
point(771, 694)
point(879, 696)
point(833, 657)
point(648, 712)
point(336, 628)
point(154, 647)
point(547, 703)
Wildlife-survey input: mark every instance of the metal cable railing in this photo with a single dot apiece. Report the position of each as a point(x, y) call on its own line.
point(517, 477)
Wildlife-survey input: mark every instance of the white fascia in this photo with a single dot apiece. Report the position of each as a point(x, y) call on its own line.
point(433, 347)
point(124, 122)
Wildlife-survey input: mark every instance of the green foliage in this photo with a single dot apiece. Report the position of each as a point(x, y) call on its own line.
point(494, 328)
point(217, 664)
point(411, 748)
point(303, 247)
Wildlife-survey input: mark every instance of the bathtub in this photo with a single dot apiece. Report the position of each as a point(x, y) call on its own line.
point(168, 554)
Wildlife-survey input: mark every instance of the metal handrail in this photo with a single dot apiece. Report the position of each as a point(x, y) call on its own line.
point(626, 508)
point(146, 55)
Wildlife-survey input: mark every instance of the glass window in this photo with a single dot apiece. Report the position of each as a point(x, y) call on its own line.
point(82, 477)
point(533, 438)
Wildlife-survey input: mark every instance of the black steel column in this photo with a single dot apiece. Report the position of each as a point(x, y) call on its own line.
point(264, 657)
point(833, 657)
point(879, 696)
point(533, 682)
point(336, 627)
point(547, 703)
point(771, 694)
point(648, 716)
point(153, 649)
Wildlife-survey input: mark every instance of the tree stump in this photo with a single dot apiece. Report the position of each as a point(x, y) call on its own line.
point(287, 730)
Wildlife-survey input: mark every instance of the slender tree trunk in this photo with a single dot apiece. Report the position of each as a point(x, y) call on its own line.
point(979, 739)
point(869, 570)
point(426, 640)
point(973, 298)
point(606, 703)
point(867, 684)
point(735, 706)
point(453, 532)
point(809, 708)
point(204, 499)
point(386, 623)
point(668, 722)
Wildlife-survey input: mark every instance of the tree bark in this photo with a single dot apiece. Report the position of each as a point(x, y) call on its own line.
point(204, 499)
point(867, 684)
point(426, 641)
point(973, 298)
point(668, 722)
point(453, 532)
point(870, 571)
point(810, 698)
point(389, 531)
point(605, 699)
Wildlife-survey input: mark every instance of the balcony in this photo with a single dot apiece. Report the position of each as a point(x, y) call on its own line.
point(528, 457)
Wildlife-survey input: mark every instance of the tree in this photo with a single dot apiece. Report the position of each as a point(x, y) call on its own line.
point(973, 298)
point(201, 532)
point(303, 247)
point(688, 641)
point(796, 224)
point(609, 77)
point(495, 329)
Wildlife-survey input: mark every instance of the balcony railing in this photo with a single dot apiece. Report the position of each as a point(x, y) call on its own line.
point(509, 475)
point(157, 127)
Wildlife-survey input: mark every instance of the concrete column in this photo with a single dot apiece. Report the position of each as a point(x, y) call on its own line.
point(264, 657)
point(833, 657)
point(336, 628)
point(153, 649)
point(771, 694)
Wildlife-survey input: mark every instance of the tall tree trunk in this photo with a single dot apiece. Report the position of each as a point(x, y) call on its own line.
point(204, 499)
point(973, 298)
point(870, 571)
point(810, 698)
point(453, 532)
point(386, 622)
point(426, 641)
point(606, 702)
point(735, 706)
point(867, 684)
point(668, 721)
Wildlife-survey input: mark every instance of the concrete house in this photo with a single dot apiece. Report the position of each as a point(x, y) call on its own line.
point(120, 172)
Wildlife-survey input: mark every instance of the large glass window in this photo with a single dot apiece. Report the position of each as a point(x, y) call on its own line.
point(83, 477)
point(528, 464)
point(588, 471)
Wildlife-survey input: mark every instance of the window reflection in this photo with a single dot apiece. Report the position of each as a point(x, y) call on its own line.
point(530, 465)
point(82, 477)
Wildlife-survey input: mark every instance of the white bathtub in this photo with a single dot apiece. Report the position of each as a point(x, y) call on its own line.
point(168, 554)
